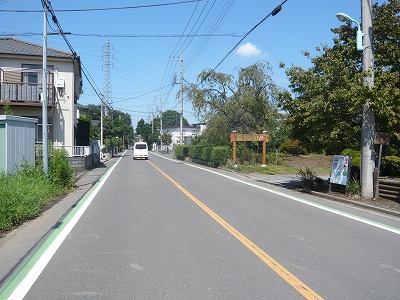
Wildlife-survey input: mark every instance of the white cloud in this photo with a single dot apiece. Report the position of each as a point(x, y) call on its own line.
point(248, 49)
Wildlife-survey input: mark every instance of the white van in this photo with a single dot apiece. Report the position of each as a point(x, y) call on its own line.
point(140, 150)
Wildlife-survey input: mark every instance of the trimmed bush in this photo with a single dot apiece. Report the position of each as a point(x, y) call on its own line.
point(219, 155)
point(199, 151)
point(192, 151)
point(293, 147)
point(179, 152)
point(206, 154)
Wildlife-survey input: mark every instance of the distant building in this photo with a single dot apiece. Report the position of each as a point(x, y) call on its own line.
point(189, 132)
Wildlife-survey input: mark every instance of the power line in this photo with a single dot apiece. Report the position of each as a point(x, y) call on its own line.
point(133, 35)
point(104, 9)
point(274, 12)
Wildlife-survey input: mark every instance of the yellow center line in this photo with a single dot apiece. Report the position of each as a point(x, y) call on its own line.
point(302, 288)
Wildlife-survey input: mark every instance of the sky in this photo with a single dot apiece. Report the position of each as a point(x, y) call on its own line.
point(149, 38)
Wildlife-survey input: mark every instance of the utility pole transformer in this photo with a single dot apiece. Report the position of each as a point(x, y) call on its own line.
point(368, 118)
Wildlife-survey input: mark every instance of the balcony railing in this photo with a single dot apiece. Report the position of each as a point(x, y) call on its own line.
point(25, 92)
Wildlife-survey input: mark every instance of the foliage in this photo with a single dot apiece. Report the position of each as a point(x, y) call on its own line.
point(274, 157)
point(143, 129)
point(7, 109)
point(354, 187)
point(390, 166)
point(60, 170)
point(166, 138)
point(181, 151)
point(23, 195)
point(115, 124)
point(325, 103)
point(292, 147)
point(206, 153)
point(310, 180)
point(246, 105)
point(213, 156)
point(170, 118)
point(219, 155)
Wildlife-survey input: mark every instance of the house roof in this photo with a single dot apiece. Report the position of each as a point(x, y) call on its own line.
point(15, 46)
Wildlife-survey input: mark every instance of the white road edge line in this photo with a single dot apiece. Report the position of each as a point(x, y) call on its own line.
point(24, 286)
point(298, 199)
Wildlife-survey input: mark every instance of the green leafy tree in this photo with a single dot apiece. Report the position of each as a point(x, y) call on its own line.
point(247, 105)
point(172, 118)
point(143, 129)
point(325, 103)
point(166, 138)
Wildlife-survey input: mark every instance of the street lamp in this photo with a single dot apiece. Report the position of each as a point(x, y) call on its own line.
point(368, 119)
point(345, 18)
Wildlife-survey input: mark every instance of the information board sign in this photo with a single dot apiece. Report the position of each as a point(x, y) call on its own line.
point(340, 169)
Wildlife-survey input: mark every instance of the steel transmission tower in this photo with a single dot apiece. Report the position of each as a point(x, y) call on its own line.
point(107, 98)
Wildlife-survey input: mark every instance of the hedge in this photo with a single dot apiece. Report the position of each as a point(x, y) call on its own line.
point(219, 155)
point(213, 156)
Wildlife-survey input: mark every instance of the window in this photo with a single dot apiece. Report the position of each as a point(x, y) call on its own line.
point(35, 77)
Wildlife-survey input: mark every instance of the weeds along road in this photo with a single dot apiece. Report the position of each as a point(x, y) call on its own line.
point(164, 229)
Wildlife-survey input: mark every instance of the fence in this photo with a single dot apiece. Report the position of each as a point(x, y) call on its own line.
point(389, 189)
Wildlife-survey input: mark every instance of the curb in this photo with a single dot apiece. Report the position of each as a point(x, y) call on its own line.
point(355, 203)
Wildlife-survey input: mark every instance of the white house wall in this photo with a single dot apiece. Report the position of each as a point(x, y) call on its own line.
point(63, 113)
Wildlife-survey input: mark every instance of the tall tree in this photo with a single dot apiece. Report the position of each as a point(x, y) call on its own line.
point(172, 118)
point(246, 105)
point(325, 102)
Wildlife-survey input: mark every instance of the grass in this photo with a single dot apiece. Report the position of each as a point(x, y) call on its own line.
point(267, 170)
point(24, 195)
point(276, 170)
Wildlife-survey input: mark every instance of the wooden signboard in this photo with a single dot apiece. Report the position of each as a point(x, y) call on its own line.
point(250, 137)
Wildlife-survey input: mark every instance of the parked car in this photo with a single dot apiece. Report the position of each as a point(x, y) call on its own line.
point(140, 150)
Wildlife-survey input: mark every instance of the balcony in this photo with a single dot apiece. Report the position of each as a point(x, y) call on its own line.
point(25, 94)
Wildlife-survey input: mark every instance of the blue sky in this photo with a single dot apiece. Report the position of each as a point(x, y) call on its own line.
point(143, 68)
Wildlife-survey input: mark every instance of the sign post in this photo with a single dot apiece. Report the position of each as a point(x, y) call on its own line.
point(380, 139)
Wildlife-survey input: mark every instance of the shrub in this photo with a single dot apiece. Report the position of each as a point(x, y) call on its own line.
point(292, 147)
point(199, 151)
point(310, 180)
point(179, 152)
point(390, 166)
point(60, 170)
point(274, 157)
point(192, 151)
point(354, 187)
point(206, 154)
point(219, 155)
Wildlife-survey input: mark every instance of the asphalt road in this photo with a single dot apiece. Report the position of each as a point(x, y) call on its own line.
point(164, 229)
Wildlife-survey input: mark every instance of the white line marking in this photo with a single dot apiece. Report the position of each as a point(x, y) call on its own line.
point(298, 199)
point(24, 286)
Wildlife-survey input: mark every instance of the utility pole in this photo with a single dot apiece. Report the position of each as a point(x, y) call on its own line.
point(181, 119)
point(44, 93)
point(368, 118)
point(161, 115)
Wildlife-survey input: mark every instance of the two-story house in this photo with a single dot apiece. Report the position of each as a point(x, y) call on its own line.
point(21, 87)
